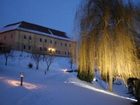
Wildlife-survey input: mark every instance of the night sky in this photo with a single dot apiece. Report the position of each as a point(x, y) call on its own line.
point(57, 14)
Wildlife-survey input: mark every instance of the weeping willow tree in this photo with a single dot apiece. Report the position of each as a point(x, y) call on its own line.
point(106, 40)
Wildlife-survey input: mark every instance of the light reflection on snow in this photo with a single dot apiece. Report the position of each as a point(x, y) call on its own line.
point(99, 90)
point(25, 84)
point(64, 70)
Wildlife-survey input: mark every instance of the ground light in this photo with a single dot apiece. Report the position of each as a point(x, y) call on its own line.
point(26, 85)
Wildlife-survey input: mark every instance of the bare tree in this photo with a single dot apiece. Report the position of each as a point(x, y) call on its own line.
point(71, 62)
point(49, 58)
point(7, 52)
point(37, 57)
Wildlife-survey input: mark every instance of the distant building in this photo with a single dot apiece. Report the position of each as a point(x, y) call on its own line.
point(24, 36)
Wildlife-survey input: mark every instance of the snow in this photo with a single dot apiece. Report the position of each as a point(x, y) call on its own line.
point(13, 27)
point(57, 87)
point(9, 28)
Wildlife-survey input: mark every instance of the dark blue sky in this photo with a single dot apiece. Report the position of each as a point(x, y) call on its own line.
point(57, 14)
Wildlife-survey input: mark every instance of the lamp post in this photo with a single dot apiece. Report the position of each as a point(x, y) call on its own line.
point(21, 79)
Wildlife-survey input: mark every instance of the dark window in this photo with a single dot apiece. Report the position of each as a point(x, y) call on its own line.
point(69, 45)
point(45, 48)
point(24, 47)
point(11, 35)
point(40, 39)
point(65, 44)
point(29, 48)
point(45, 40)
point(4, 37)
point(30, 38)
point(65, 53)
point(24, 37)
point(50, 41)
point(61, 44)
point(55, 42)
point(58, 51)
point(40, 48)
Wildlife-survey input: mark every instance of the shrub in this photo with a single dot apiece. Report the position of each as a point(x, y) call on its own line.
point(134, 88)
point(30, 65)
point(137, 90)
point(85, 76)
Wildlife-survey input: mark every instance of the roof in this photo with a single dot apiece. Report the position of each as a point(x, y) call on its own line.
point(34, 27)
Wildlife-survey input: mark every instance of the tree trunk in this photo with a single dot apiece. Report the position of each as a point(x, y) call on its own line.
point(6, 60)
point(45, 72)
point(37, 66)
point(110, 80)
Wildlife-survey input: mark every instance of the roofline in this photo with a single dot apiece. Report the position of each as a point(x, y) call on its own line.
point(16, 26)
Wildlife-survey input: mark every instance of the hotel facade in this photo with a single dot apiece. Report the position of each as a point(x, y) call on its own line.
point(32, 38)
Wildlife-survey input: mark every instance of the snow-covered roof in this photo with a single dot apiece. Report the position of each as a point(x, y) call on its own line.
point(13, 27)
point(25, 26)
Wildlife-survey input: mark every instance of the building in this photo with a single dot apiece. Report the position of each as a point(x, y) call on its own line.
point(24, 36)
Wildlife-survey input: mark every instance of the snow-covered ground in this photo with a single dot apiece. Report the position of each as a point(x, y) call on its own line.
point(57, 87)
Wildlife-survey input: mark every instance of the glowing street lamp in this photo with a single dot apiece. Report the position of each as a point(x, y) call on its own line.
point(51, 50)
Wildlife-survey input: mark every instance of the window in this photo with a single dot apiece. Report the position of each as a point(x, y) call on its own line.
point(24, 36)
point(24, 47)
point(29, 48)
point(11, 36)
point(61, 43)
point(55, 42)
point(30, 38)
point(58, 51)
point(45, 40)
point(45, 48)
point(40, 39)
point(40, 48)
point(4, 37)
point(50, 41)
point(65, 44)
point(69, 53)
point(69, 45)
point(65, 53)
